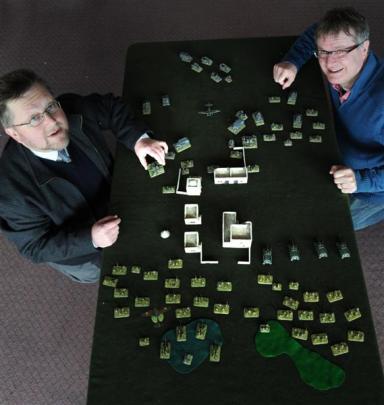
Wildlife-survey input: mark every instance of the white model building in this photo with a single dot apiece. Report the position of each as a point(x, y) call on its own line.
point(191, 214)
point(232, 175)
point(193, 185)
point(192, 245)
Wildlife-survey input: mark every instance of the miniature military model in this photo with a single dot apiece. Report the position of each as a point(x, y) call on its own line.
point(355, 336)
point(292, 98)
point(170, 155)
point(267, 256)
point(144, 341)
point(294, 254)
point(168, 189)
point(173, 299)
point(275, 126)
point(186, 164)
point(122, 312)
point(155, 169)
point(110, 281)
point(211, 169)
point(249, 142)
point(315, 139)
point(185, 57)
point(151, 275)
point(352, 314)
point(142, 302)
point(305, 315)
point(258, 118)
point(242, 115)
point(175, 263)
point(318, 125)
point(228, 79)
point(236, 154)
point(265, 279)
point(299, 333)
point(327, 317)
point(277, 287)
point(221, 309)
point(285, 315)
point(343, 250)
point(294, 285)
point(339, 349)
point(225, 286)
point(231, 143)
point(135, 269)
point(165, 350)
point(156, 315)
point(120, 293)
point(297, 122)
point(184, 171)
point(236, 126)
point(288, 142)
point(224, 68)
point(264, 328)
point(216, 77)
point(321, 250)
point(253, 168)
point(183, 312)
point(182, 144)
point(172, 283)
point(165, 100)
point(251, 312)
point(206, 61)
point(334, 296)
point(201, 302)
point(296, 135)
point(198, 282)
point(201, 330)
point(269, 137)
point(188, 358)
point(310, 112)
point(181, 333)
point(274, 99)
point(146, 108)
point(196, 67)
point(319, 339)
point(119, 270)
point(311, 296)
point(209, 112)
point(290, 303)
point(214, 353)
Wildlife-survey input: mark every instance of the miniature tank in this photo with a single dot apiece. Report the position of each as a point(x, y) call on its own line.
point(175, 263)
point(299, 333)
point(216, 77)
point(318, 125)
point(327, 317)
point(339, 348)
point(121, 312)
point(236, 126)
point(221, 309)
point(172, 283)
point(151, 275)
point(146, 108)
point(201, 302)
point(231, 143)
point(311, 296)
point(294, 254)
point(265, 279)
point(173, 298)
point(168, 189)
point(228, 79)
point(144, 341)
point(343, 250)
point(297, 122)
point(224, 68)
point(119, 270)
point(253, 168)
point(198, 282)
point(352, 314)
point(288, 142)
point(236, 154)
point(355, 336)
point(170, 155)
point(185, 57)
point(264, 328)
point(110, 281)
point(290, 303)
point(206, 61)
point(334, 296)
point(181, 333)
point(165, 350)
point(157, 316)
point(214, 353)
point(225, 286)
point(211, 168)
point(310, 112)
point(183, 312)
point(305, 315)
point(249, 142)
point(142, 302)
point(120, 293)
point(292, 98)
point(275, 126)
point(269, 137)
point(188, 358)
point(135, 269)
point(165, 100)
point(315, 139)
point(294, 285)
point(242, 115)
point(182, 144)
point(186, 164)
point(155, 169)
point(321, 250)
point(258, 118)
point(296, 135)
point(319, 339)
point(251, 312)
point(285, 315)
point(196, 67)
point(277, 287)
point(201, 330)
point(184, 171)
point(267, 256)
point(274, 99)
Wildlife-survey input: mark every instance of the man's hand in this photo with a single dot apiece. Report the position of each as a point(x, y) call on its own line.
point(284, 73)
point(105, 231)
point(151, 147)
point(344, 178)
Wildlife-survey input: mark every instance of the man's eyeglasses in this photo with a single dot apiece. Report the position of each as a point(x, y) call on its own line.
point(339, 53)
point(37, 119)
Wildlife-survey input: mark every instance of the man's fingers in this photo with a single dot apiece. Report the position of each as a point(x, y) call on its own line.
point(143, 161)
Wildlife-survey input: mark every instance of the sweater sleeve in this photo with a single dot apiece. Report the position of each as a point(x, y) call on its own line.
point(370, 180)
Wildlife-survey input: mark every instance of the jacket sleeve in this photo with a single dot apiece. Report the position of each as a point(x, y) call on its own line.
point(370, 180)
point(303, 48)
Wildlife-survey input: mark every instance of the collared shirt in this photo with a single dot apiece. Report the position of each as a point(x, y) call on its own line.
point(343, 94)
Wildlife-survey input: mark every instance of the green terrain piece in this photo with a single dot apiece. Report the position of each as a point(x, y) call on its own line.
point(313, 369)
point(120, 293)
point(122, 312)
point(155, 169)
point(119, 270)
point(182, 144)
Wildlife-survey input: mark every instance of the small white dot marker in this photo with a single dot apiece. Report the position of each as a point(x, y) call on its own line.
point(165, 234)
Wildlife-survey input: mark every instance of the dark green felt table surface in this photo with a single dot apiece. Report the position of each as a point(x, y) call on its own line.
point(292, 198)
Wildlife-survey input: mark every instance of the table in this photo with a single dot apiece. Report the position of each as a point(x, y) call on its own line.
point(292, 198)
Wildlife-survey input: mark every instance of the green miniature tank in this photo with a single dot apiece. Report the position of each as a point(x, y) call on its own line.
point(231, 143)
point(327, 317)
point(318, 125)
point(285, 315)
point(339, 348)
point(299, 333)
point(258, 118)
point(182, 144)
point(267, 256)
point(146, 108)
point(170, 155)
point(183, 312)
point(121, 312)
point(173, 299)
point(321, 250)
point(251, 312)
point(196, 67)
point(292, 98)
point(236, 154)
point(274, 99)
point(225, 286)
point(311, 296)
point(297, 121)
point(294, 254)
point(228, 78)
point(315, 139)
point(214, 353)
point(172, 283)
point(253, 168)
point(168, 189)
point(288, 142)
point(175, 263)
point(186, 164)
point(144, 341)
point(241, 114)
point(165, 350)
point(352, 314)
point(296, 135)
point(216, 77)
point(185, 57)
point(334, 296)
point(201, 330)
point(265, 279)
point(119, 270)
point(294, 285)
point(249, 141)
point(198, 282)
point(277, 287)
point(142, 302)
point(181, 333)
point(275, 126)
point(188, 358)
point(135, 269)
point(305, 315)
point(310, 112)
point(355, 336)
point(343, 250)
point(151, 275)
point(110, 281)
point(205, 60)
point(211, 168)
point(221, 309)
point(319, 339)
point(264, 328)
point(155, 169)
point(224, 68)
point(291, 303)
point(201, 302)
point(269, 137)
point(120, 293)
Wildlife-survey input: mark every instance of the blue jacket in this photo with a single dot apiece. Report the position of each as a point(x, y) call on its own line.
point(359, 121)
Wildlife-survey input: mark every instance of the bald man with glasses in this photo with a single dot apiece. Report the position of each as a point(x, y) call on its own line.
point(340, 42)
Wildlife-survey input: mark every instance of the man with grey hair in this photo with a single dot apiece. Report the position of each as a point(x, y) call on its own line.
point(340, 42)
point(55, 172)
